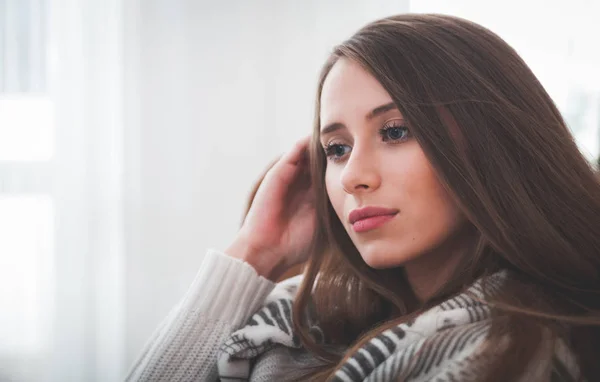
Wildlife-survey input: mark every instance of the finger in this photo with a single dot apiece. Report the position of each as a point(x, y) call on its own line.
point(297, 153)
point(291, 163)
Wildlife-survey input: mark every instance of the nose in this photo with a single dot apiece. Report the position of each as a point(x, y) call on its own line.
point(360, 174)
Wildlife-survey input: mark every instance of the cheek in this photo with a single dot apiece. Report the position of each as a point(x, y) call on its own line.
point(430, 214)
point(335, 192)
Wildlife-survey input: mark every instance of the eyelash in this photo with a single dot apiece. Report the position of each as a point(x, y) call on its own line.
point(331, 146)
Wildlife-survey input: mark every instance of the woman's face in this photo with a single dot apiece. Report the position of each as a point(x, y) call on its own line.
point(375, 167)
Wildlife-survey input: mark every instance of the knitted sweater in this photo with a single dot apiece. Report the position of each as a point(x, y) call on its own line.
point(234, 325)
point(222, 297)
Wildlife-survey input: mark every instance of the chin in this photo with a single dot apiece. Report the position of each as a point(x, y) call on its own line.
point(386, 256)
point(377, 261)
point(377, 264)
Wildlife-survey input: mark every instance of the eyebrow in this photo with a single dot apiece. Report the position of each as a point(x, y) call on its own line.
point(372, 114)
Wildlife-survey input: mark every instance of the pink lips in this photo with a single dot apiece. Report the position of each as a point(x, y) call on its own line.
point(369, 218)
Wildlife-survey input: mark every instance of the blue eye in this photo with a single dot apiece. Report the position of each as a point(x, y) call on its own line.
point(394, 133)
point(336, 151)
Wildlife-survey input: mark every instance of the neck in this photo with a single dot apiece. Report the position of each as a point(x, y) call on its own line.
point(429, 272)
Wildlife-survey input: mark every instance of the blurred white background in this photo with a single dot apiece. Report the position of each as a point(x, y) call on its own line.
point(131, 132)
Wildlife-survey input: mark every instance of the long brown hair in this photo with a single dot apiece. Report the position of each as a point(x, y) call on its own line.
point(505, 155)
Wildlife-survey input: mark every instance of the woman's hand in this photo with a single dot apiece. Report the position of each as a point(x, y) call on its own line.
point(280, 223)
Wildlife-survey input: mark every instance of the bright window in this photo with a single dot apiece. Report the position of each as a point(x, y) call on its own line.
point(27, 208)
point(26, 243)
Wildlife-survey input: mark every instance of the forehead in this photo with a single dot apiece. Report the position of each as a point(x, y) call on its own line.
point(350, 91)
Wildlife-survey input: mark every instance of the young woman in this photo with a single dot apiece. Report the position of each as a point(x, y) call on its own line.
point(448, 222)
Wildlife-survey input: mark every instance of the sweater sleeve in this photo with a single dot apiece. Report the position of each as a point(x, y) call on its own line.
point(224, 294)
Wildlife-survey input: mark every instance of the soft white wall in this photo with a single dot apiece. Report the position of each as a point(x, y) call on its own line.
point(224, 88)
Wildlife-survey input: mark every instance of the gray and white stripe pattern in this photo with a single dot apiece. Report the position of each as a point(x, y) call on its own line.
point(439, 345)
point(419, 348)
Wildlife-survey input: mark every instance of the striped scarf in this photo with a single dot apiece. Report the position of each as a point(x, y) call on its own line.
point(442, 344)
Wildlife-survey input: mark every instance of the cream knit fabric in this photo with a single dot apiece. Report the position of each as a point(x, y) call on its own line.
point(222, 297)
